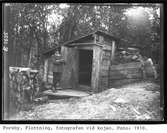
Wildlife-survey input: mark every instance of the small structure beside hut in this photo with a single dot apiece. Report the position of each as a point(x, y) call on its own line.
point(95, 61)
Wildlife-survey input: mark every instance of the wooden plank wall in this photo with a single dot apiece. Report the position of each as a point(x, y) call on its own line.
point(97, 56)
point(70, 71)
point(45, 78)
point(124, 73)
point(104, 70)
point(107, 56)
point(117, 74)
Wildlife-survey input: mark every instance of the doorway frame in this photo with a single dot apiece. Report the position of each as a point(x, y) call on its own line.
point(96, 65)
point(90, 50)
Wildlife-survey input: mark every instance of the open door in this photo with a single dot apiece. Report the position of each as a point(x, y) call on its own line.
point(85, 67)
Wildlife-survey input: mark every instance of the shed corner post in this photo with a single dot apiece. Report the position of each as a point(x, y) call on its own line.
point(113, 47)
point(96, 68)
point(45, 70)
point(64, 56)
point(95, 38)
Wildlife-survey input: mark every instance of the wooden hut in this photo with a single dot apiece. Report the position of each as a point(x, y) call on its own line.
point(90, 62)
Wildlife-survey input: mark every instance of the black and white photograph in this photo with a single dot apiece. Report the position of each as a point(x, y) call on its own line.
point(82, 62)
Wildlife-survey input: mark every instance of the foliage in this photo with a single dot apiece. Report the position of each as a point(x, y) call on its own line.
point(142, 31)
point(32, 33)
point(83, 19)
point(29, 28)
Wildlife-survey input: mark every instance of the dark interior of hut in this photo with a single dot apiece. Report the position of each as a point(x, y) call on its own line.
point(85, 66)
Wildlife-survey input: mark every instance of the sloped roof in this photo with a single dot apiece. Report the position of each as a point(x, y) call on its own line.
point(99, 32)
point(50, 50)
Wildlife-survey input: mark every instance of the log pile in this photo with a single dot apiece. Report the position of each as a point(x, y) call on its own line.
point(23, 87)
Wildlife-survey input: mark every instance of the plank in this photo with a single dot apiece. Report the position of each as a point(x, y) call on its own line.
point(45, 70)
point(115, 83)
point(66, 93)
point(70, 69)
point(105, 72)
point(125, 71)
point(126, 66)
point(125, 76)
point(97, 56)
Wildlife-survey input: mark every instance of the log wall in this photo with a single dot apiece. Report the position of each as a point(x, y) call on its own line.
point(124, 73)
point(104, 70)
point(119, 74)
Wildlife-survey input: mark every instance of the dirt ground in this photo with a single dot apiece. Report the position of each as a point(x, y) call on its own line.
point(137, 101)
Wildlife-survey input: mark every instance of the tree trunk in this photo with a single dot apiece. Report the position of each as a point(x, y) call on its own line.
point(29, 49)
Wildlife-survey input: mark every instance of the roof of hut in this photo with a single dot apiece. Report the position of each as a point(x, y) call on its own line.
point(99, 32)
point(68, 43)
point(51, 50)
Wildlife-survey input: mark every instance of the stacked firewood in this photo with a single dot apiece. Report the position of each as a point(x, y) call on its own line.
point(147, 67)
point(23, 87)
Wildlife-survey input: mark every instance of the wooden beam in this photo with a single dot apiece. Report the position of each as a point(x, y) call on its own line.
point(97, 32)
point(70, 69)
point(84, 44)
point(45, 70)
point(97, 55)
point(113, 50)
point(85, 48)
point(107, 47)
point(95, 36)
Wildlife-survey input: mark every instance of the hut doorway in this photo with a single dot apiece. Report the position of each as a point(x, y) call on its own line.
point(85, 67)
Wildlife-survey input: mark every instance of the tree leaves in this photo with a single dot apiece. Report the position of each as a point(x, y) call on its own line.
point(30, 22)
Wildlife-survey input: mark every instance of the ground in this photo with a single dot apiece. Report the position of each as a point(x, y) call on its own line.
point(137, 101)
